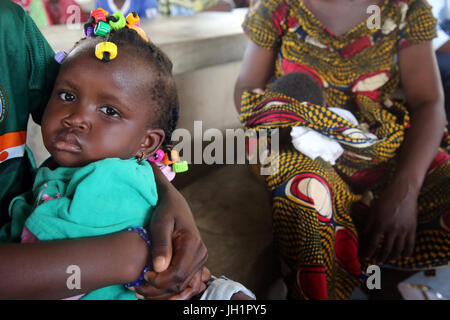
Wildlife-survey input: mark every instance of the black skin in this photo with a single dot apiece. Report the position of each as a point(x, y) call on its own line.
point(87, 120)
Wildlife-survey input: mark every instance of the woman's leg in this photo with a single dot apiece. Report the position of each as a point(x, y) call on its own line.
point(432, 243)
point(313, 229)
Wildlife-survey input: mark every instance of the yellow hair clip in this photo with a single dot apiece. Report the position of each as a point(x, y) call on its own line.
point(106, 51)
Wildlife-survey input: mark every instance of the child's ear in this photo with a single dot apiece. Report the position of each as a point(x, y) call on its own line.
point(151, 142)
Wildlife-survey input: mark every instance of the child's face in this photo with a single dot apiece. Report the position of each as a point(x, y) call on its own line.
point(100, 110)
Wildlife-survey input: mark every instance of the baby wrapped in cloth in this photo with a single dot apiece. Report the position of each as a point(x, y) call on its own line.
point(311, 142)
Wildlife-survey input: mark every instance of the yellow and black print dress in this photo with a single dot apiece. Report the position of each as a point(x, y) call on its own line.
point(316, 205)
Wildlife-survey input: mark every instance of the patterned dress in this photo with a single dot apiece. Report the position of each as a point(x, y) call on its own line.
point(319, 209)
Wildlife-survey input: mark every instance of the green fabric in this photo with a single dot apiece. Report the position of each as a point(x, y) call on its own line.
point(27, 75)
point(103, 197)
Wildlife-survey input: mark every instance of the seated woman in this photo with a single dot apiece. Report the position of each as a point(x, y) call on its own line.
point(386, 199)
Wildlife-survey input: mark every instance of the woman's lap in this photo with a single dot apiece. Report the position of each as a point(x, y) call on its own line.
point(313, 221)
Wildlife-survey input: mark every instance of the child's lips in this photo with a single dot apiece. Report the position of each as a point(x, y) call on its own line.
point(67, 142)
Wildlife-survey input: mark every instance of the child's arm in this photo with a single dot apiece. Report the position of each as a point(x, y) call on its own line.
point(177, 248)
point(38, 271)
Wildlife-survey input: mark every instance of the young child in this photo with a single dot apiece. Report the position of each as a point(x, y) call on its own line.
point(114, 104)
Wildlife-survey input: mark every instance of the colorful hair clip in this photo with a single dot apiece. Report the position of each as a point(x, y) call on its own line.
point(117, 21)
point(89, 31)
point(159, 155)
point(106, 51)
point(99, 15)
point(179, 167)
point(60, 56)
point(139, 31)
point(166, 170)
point(104, 11)
point(170, 157)
point(102, 29)
point(133, 19)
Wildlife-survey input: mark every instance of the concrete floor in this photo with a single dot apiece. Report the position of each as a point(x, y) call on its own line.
point(232, 210)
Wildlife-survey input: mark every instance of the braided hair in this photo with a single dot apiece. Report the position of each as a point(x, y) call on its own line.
point(163, 91)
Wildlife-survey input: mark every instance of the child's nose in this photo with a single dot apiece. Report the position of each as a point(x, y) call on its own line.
point(77, 120)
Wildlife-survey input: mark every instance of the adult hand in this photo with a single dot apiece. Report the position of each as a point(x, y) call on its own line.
point(393, 217)
point(196, 285)
point(177, 248)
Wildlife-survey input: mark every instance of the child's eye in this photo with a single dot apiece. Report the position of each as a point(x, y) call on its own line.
point(65, 96)
point(109, 111)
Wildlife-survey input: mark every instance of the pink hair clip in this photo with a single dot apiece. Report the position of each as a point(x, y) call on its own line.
point(158, 157)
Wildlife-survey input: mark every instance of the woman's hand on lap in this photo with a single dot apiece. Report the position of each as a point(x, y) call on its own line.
point(392, 220)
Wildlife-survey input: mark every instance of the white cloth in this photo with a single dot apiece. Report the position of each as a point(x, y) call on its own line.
point(441, 11)
point(314, 144)
point(223, 288)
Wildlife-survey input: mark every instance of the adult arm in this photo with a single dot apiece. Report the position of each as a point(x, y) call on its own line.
point(445, 48)
point(177, 248)
point(395, 213)
point(257, 69)
point(38, 270)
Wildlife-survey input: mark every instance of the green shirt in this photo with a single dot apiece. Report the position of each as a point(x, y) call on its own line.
point(27, 73)
point(100, 198)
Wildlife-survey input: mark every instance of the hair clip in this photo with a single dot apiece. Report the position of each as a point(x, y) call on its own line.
point(99, 15)
point(106, 51)
point(60, 56)
point(133, 19)
point(170, 157)
point(117, 21)
point(139, 31)
point(88, 30)
point(179, 167)
point(102, 29)
point(157, 157)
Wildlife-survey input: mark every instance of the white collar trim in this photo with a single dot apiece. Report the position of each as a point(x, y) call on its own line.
point(125, 8)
